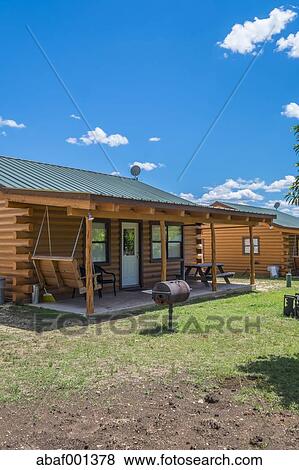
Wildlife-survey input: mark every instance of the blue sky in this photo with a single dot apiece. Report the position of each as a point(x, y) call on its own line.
point(139, 70)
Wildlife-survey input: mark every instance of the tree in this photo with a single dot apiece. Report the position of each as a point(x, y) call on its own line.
point(293, 195)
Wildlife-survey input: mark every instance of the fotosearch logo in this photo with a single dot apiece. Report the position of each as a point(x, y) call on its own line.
point(72, 325)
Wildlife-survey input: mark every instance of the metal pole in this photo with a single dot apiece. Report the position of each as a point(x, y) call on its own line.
point(170, 312)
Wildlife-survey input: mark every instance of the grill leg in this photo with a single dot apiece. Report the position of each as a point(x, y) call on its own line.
point(170, 312)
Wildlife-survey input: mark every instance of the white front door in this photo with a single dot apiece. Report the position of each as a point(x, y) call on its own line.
point(130, 254)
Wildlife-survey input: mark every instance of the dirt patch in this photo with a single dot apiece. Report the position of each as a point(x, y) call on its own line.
point(264, 285)
point(142, 414)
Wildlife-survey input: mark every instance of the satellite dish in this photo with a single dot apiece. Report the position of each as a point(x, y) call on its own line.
point(135, 171)
point(276, 205)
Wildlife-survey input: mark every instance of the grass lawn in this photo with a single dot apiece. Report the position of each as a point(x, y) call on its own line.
point(232, 337)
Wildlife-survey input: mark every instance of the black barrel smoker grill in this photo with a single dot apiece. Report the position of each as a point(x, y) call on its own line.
point(170, 293)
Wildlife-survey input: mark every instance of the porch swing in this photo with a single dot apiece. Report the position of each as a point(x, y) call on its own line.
point(55, 272)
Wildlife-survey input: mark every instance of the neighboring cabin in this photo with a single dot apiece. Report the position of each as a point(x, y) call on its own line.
point(275, 244)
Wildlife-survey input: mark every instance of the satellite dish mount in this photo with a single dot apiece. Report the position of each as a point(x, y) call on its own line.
point(276, 205)
point(135, 171)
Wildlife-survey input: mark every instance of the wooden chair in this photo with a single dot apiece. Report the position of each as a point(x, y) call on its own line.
point(105, 277)
point(59, 271)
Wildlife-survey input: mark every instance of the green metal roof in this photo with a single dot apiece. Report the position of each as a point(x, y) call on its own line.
point(16, 173)
point(282, 219)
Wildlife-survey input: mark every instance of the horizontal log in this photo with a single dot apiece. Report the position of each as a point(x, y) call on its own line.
point(15, 212)
point(7, 236)
point(8, 220)
point(14, 257)
point(16, 227)
point(25, 288)
point(7, 250)
point(21, 272)
point(21, 242)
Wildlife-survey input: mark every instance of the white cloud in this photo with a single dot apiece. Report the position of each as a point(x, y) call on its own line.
point(240, 190)
point(74, 116)
point(147, 166)
point(231, 190)
point(291, 110)
point(115, 173)
point(189, 197)
point(281, 184)
point(11, 123)
point(244, 38)
point(99, 136)
point(71, 140)
point(223, 193)
point(291, 43)
point(154, 139)
point(284, 207)
point(4, 133)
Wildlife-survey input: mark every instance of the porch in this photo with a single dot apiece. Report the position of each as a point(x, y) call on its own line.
point(128, 301)
point(135, 253)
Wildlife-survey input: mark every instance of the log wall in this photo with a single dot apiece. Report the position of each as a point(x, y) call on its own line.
point(15, 244)
point(274, 249)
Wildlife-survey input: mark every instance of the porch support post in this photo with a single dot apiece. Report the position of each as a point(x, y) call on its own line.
point(214, 266)
point(252, 265)
point(163, 251)
point(88, 268)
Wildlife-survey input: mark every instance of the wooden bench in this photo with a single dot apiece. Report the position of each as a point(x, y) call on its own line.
point(224, 275)
point(60, 271)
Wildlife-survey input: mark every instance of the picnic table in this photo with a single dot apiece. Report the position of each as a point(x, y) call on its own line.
point(203, 270)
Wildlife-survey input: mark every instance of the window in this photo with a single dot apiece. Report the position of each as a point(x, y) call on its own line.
point(100, 242)
point(246, 246)
point(129, 241)
point(174, 241)
point(156, 242)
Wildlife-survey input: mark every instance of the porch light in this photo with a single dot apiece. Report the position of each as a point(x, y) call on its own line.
point(90, 217)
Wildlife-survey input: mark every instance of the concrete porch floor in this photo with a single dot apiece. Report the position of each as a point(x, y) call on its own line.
point(130, 301)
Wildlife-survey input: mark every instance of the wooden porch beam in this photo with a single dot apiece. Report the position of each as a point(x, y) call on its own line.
point(13, 200)
point(88, 267)
point(163, 251)
point(107, 206)
point(145, 210)
point(252, 265)
point(146, 214)
point(157, 216)
point(214, 260)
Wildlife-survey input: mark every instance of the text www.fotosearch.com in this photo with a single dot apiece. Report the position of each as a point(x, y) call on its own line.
point(133, 461)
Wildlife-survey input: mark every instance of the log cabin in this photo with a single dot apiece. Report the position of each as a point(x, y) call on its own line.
point(59, 222)
point(275, 244)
